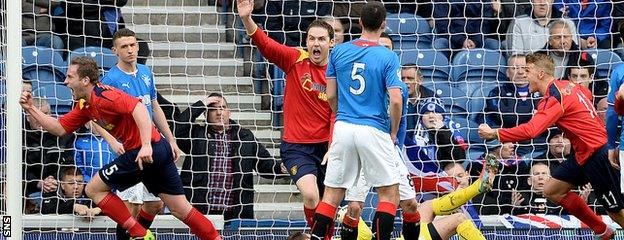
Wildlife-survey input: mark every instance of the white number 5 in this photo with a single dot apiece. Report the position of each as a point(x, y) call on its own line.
point(357, 77)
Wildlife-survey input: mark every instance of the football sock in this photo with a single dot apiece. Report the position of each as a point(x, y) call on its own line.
point(323, 218)
point(309, 215)
point(467, 230)
point(411, 228)
point(114, 208)
point(383, 222)
point(448, 203)
point(575, 205)
point(349, 230)
point(201, 226)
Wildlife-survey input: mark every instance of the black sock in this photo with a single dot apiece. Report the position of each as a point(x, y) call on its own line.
point(383, 225)
point(321, 225)
point(348, 232)
point(411, 230)
point(145, 222)
point(121, 233)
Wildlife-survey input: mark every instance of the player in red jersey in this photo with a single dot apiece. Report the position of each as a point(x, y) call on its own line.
point(147, 159)
point(568, 106)
point(307, 115)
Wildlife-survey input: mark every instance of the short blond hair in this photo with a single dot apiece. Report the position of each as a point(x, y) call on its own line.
point(542, 61)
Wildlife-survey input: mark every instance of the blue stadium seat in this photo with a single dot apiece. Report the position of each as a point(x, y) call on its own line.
point(605, 60)
point(43, 64)
point(476, 65)
point(58, 96)
point(433, 65)
point(104, 57)
point(449, 94)
point(409, 31)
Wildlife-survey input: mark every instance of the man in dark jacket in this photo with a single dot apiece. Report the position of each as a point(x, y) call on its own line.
point(218, 172)
point(412, 77)
point(70, 197)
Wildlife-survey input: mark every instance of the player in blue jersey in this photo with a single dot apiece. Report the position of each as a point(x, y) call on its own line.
point(137, 80)
point(352, 226)
point(363, 86)
point(616, 153)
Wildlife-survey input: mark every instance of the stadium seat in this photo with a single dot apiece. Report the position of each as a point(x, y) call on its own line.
point(43, 64)
point(449, 94)
point(605, 61)
point(476, 65)
point(433, 65)
point(58, 96)
point(409, 31)
point(277, 90)
point(104, 57)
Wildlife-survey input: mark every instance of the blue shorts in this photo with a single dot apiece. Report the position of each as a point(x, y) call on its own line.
point(159, 177)
point(303, 159)
point(605, 179)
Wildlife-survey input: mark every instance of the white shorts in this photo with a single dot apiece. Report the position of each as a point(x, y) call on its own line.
point(406, 187)
point(359, 148)
point(137, 194)
point(622, 171)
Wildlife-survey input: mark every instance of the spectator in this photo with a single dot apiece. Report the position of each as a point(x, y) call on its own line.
point(339, 29)
point(510, 10)
point(531, 199)
point(93, 23)
point(583, 73)
point(37, 24)
point(601, 108)
point(461, 24)
point(218, 175)
point(511, 104)
point(530, 33)
point(43, 153)
point(286, 18)
point(512, 170)
point(92, 152)
point(436, 139)
point(593, 18)
point(561, 48)
point(71, 197)
point(559, 149)
point(411, 76)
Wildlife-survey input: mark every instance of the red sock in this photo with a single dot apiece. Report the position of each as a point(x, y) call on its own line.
point(387, 207)
point(411, 217)
point(575, 205)
point(309, 215)
point(353, 223)
point(329, 212)
point(114, 208)
point(201, 226)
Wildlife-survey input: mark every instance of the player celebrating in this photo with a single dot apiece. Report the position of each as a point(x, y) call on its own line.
point(306, 111)
point(362, 79)
point(138, 81)
point(568, 105)
point(147, 158)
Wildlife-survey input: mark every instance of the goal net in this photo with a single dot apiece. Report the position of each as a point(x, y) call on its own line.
point(467, 55)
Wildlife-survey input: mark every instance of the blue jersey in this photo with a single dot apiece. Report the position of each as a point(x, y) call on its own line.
point(612, 119)
point(364, 72)
point(139, 84)
point(92, 152)
point(403, 124)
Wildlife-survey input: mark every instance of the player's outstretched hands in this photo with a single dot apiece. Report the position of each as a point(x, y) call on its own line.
point(26, 100)
point(144, 155)
point(245, 7)
point(486, 132)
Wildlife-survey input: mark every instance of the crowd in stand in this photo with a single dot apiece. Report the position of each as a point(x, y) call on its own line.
point(56, 168)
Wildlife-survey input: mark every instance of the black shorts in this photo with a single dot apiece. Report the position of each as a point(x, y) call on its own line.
point(304, 159)
point(159, 177)
point(605, 179)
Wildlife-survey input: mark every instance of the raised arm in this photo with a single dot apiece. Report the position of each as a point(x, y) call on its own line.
point(48, 123)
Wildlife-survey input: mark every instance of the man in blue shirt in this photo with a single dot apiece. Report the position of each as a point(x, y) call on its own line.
point(363, 86)
point(613, 120)
point(137, 80)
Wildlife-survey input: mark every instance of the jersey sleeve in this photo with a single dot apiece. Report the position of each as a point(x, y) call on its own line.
point(75, 119)
point(612, 120)
point(331, 66)
point(392, 74)
point(281, 55)
point(548, 112)
point(153, 95)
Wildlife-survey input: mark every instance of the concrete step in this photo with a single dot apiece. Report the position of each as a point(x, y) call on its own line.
point(170, 15)
point(174, 33)
point(166, 3)
point(272, 193)
point(224, 85)
point(234, 101)
point(291, 210)
point(197, 66)
point(192, 50)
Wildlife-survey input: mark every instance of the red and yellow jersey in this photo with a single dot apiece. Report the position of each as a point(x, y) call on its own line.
point(568, 106)
point(307, 115)
point(112, 110)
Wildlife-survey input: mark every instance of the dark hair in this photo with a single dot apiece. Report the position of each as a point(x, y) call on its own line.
point(322, 24)
point(372, 16)
point(585, 61)
point(297, 236)
point(412, 65)
point(124, 32)
point(87, 67)
point(70, 171)
point(219, 95)
point(385, 35)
